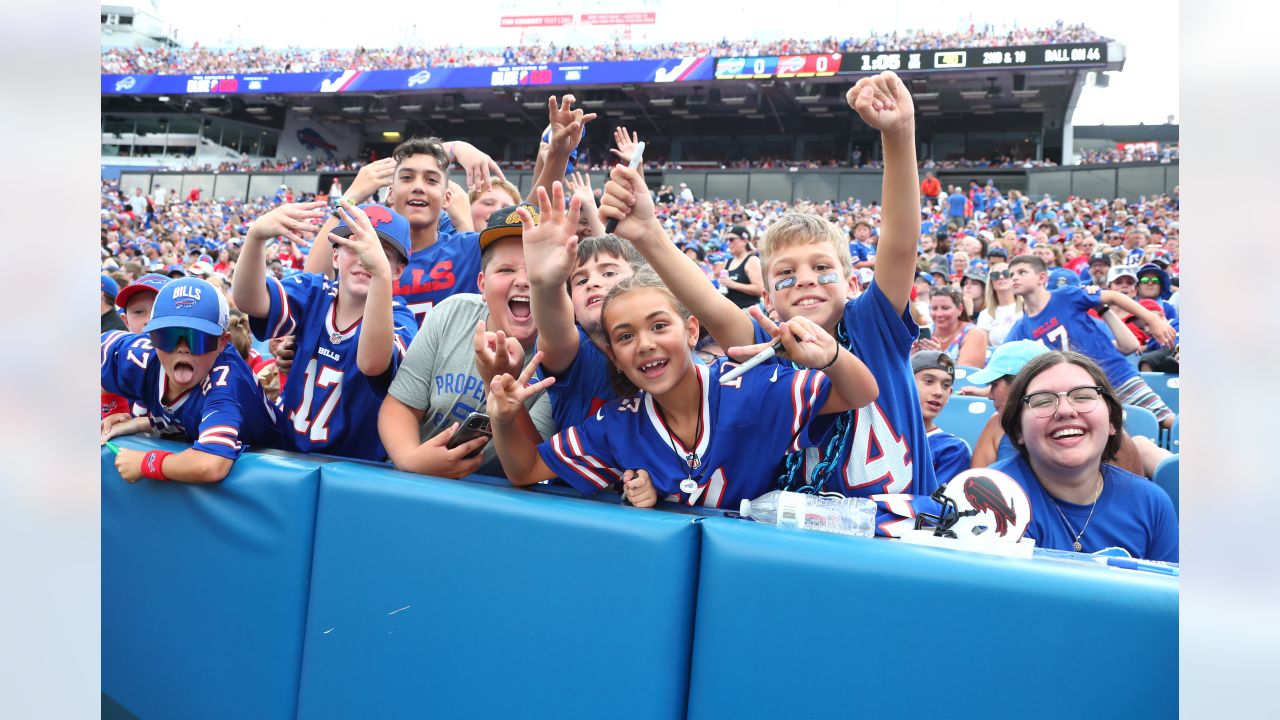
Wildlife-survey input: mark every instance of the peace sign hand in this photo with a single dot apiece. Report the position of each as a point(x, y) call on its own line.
point(507, 395)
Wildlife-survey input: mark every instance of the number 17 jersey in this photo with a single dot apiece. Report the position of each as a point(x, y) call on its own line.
point(330, 406)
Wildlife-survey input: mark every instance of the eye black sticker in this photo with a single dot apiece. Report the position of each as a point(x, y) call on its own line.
point(785, 283)
point(828, 278)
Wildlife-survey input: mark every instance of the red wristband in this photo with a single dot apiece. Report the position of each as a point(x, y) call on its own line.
point(153, 464)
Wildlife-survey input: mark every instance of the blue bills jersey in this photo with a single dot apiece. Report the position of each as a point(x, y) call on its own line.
point(220, 415)
point(951, 455)
point(449, 266)
point(885, 449)
point(747, 425)
point(583, 387)
point(1065, 324)
point(1132, 513)
point(330, 406)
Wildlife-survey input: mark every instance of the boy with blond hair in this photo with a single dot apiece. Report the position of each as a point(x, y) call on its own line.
point(877, 449)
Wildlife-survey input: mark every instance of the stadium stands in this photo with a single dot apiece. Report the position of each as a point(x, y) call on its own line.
point(297, 60)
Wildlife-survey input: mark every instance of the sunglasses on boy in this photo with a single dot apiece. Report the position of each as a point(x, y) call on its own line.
point(1149, 280)
point(198, 343)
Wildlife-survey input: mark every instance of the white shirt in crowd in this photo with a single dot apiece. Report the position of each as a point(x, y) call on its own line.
point(998, 327)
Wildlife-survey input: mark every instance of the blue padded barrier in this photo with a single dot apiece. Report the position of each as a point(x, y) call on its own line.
point(795, 624)
point(440, 598)
point(204, 588)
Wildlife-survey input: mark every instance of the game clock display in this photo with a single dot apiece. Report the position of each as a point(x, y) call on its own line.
point(1024, 56)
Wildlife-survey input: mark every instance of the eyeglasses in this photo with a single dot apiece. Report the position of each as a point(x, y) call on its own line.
point(1001, 275)
point(198, 343)
point(1149, 280)
point(1083, 400)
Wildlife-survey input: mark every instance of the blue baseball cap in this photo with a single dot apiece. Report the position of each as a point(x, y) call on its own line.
point(1008, 359)
point(151, 282)
point(391, 226)
point(190, 303)
point(109, 286)
point(1061, 277)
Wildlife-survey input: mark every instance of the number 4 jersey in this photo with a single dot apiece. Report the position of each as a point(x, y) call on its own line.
point(329, 405)
point(221, 414)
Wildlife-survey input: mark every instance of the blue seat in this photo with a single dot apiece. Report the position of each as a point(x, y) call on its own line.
point(1175, 445)
point(962, 376)
point(1165, 385)
point(1166, 476)
point(965, 417)
point(1141, 422)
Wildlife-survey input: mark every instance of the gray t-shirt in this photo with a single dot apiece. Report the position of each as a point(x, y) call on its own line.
point(438, 374)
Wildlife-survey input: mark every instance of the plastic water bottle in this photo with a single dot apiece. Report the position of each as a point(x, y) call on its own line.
point(842, 515)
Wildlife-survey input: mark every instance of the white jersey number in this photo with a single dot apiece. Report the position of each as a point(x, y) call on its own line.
point(883, 462)
point(318, 428)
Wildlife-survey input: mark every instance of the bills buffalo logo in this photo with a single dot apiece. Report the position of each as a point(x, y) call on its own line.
point(985, 496)
point(378, 215)
point(185, 303)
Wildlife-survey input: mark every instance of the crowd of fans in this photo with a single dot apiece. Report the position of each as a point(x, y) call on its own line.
point(976, 269)
point(1131, 154)
point(204, 60)
point(310, 164)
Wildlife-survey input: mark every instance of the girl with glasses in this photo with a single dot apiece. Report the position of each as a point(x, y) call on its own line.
point(1066, 423)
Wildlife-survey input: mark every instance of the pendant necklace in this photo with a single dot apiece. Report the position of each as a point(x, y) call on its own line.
point(690, 460)
point(1084, 527)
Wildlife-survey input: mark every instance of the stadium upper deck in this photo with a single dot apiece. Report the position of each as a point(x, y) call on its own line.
point(202, 60)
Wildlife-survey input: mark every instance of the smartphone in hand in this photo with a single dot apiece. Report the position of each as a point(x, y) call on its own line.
point(476, 425)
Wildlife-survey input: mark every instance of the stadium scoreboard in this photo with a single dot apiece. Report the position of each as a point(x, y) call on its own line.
point(858, 63)
point(1023, 56)
point(782, 66)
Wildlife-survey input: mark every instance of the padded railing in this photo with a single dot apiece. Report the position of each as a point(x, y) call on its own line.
point(304, 588)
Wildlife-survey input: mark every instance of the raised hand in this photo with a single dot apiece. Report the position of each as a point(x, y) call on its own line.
point(293, 221)
point(496, 354)
point(478, 165)
point(638, 487)
point(566, 124)
point(551, 246)
point(626, 199)
point(372, 178)
point(580, 185)
point(883, 102)
point(507, 395)
point(626, 143)
point(363, 240)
